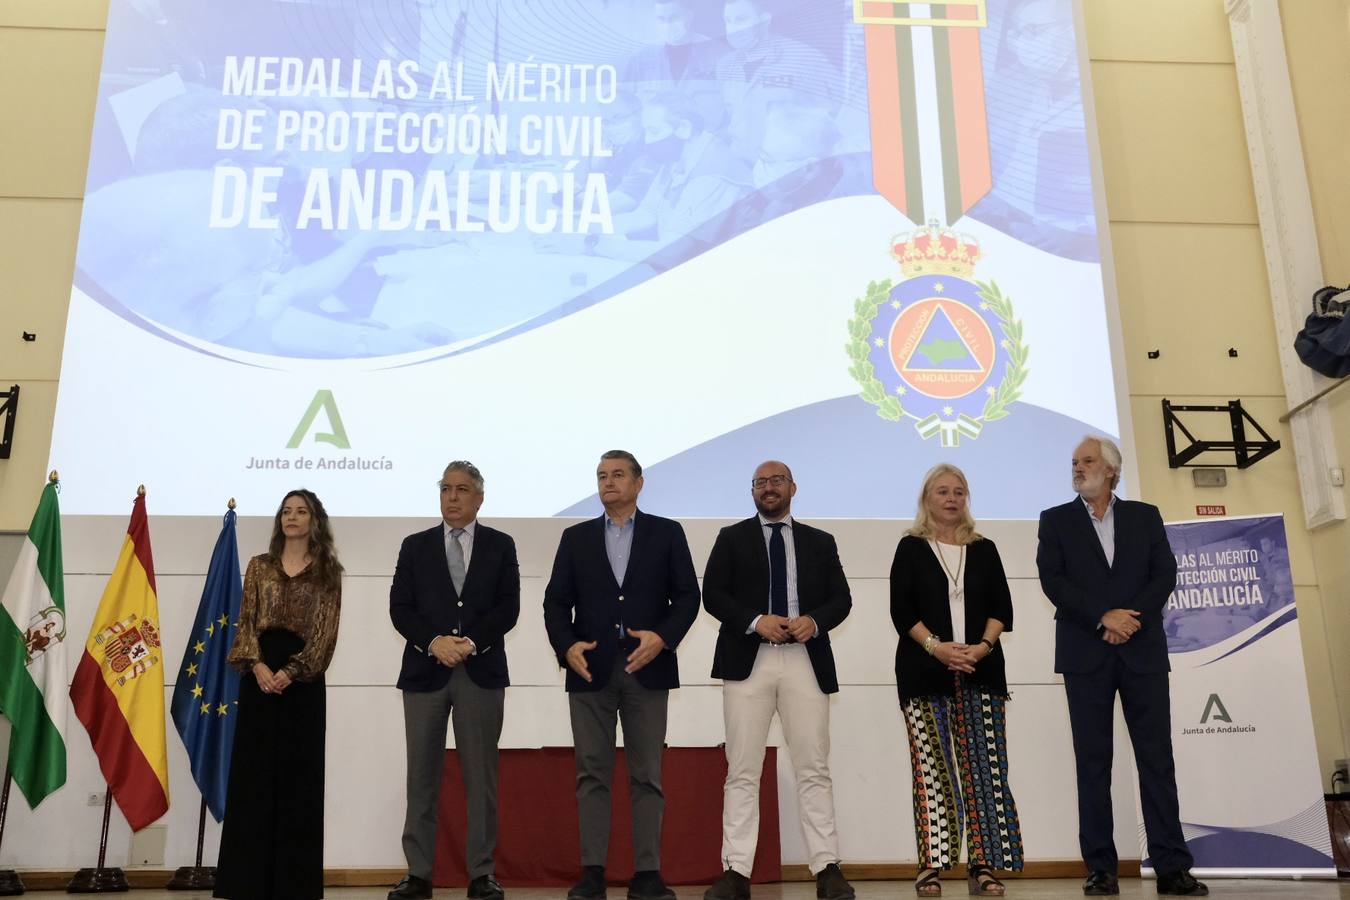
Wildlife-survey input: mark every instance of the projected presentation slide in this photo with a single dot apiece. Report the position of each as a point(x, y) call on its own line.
point(338, 244)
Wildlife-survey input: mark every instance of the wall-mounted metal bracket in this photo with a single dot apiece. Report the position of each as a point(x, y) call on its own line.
point(1246, 451)
point(9, 410)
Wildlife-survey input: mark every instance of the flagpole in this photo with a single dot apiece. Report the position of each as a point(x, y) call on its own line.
point(10, 882)
point(101, 880)
point(197, 877)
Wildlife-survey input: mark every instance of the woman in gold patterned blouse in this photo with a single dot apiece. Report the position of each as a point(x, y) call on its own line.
point(272, 843)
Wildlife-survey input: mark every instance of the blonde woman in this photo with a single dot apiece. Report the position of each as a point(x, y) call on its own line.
point(950, 604)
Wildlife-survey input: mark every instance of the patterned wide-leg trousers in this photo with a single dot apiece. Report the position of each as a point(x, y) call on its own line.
point(972, 722)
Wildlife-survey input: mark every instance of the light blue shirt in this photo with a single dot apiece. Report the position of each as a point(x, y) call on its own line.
point(1105, 528)
point(619, 545)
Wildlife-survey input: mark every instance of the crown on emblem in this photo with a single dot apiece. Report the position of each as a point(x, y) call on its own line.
point(935, 250)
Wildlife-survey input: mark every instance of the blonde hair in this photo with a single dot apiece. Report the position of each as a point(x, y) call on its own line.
point(923, 522)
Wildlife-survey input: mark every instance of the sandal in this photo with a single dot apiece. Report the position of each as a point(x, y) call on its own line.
point(983, 883)
point(927, 884)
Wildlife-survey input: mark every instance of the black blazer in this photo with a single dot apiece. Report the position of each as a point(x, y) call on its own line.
point(582, 602)
point(423, 604)
point(736, 589)
point(919, 594)
point(1076, 578)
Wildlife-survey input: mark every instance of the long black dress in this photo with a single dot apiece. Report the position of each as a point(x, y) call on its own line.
point(271, 847)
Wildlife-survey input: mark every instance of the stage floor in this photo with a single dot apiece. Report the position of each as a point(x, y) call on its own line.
point(1028, 888)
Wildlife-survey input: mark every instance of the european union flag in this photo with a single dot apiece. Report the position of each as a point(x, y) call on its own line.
point(204, 698)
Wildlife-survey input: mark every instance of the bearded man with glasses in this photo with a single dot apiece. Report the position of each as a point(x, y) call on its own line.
point(778, 589)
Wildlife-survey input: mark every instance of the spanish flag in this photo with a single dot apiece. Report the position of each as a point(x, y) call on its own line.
point(118, 690)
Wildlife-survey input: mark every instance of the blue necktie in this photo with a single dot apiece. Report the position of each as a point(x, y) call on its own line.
point(778, 599)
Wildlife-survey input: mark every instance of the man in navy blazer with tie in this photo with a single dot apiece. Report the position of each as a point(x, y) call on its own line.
point(621, 597)
point(1107, 567)
point(456, 593)
point(778, 588)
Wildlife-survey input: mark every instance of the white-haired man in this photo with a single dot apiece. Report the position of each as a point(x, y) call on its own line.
point(1107, 567)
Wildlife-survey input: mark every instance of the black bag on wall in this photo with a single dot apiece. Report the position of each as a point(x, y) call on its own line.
point(1324, 342)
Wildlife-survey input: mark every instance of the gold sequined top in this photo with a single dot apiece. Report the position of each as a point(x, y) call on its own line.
point(273, 599)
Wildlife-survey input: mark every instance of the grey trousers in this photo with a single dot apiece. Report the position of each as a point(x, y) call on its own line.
point(643, 714)
point(476, 714)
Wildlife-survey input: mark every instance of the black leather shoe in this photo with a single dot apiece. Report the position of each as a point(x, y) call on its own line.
point(832, 885)
point(649, 886)
point(591, 886)
point(1101, 884)
point(730, 885)
point(485, 887)
point(411, 888)
point(1181, 884)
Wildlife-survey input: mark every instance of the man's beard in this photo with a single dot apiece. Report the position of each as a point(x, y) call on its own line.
point(778, 509)
point(1092, 484)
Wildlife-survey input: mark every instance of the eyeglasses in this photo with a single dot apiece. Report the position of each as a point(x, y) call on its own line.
point(775, 480)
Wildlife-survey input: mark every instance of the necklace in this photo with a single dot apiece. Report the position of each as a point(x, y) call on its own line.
point(958, 587)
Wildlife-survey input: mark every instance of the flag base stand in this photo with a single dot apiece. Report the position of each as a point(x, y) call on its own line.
point(193, 878)
point(102, 880)
point(197, 877)
point(10, 883)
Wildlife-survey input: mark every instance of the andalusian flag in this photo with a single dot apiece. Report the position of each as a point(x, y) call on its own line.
point(33, 656)
point(118, 691)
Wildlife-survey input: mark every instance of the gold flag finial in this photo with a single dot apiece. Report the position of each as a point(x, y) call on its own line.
point(231, 503)
point(53, 477)
point(140, 490)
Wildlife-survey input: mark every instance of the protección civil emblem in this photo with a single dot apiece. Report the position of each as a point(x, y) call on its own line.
point(938, 348)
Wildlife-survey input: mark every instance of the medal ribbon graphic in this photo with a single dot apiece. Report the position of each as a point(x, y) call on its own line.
point(925, 87)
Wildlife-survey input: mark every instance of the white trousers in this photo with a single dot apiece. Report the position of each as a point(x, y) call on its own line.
point(781, 681)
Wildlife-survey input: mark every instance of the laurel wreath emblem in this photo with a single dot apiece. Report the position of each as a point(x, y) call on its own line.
point(888, 405)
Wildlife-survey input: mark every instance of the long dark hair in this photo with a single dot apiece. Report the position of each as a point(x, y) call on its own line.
point(322, 552)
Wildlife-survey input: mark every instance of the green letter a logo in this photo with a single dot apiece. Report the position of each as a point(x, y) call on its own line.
point(1215, 705)
point(323, 400)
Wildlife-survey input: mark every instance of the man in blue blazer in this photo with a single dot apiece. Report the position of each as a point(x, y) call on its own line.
point(1107, 567)
point(456, 593)
point(621, 597)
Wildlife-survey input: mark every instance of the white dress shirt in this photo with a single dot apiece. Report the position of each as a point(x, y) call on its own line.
point(465, 542)
point(1105, 528)
point(793, 604)
point(466, 545)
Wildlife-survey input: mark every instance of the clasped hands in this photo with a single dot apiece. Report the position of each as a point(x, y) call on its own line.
point(271, 682)
point(450, 650)
point(959, 657)
point(780, 630)
point(1119, 625)
point(649, 645)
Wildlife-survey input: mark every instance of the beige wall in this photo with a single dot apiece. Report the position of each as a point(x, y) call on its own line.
point(1316, 34)
point(1192, 280)
point(1188, 255)
point(49, 61)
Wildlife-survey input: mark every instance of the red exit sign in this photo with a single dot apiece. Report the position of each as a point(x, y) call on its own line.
point(1211, 510)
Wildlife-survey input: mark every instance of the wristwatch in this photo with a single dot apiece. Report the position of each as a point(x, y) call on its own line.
point(988, 643)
